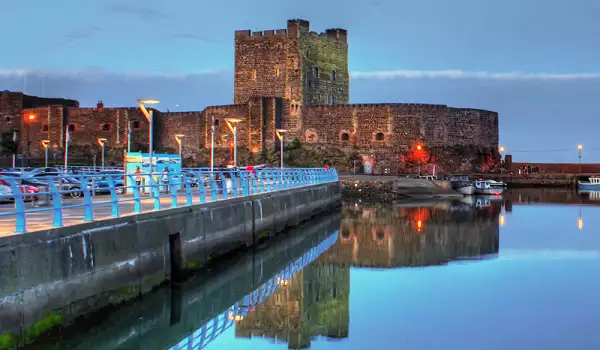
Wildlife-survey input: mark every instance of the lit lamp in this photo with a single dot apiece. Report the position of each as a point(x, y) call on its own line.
point(179, 140)
point(30, 119)
point(419, 148)
point(102, 142)
point(232, 125)
point(212, 144)
point(501, 149)
point(279, 133)
point(149, 118)
point(45, 144)
point(580, 149)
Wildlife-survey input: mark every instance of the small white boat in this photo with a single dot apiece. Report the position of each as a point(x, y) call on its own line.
point(593, 184)
point(485, 187)
point(462, 184)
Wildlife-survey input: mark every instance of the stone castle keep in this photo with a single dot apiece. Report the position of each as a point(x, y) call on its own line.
point(291, 79)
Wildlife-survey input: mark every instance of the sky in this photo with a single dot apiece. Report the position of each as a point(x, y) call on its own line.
point(535, 62)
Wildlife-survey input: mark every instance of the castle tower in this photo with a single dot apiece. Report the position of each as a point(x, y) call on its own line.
point(303, 67)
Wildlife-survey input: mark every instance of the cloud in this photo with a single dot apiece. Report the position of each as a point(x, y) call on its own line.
point(98, 73)
point(459, 74)
point(144, 13)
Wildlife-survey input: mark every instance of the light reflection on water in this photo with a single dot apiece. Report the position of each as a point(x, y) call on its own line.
point(517, 272)
point(512, 272)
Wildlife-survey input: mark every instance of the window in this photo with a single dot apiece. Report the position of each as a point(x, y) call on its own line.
point(333, 76)
point(7, 120)
point(345, 136)
point(379, 136)
point(345, 233)
point(72, 127)
point(331, 99)
point(254, 74)
point(135, 124)
point(277, 72)
point(105, 127)
point(216, 122)
point(316, 73)
point(45, 127)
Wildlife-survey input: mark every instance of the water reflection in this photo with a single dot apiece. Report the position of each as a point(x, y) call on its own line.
point(383, 235)
point(533, 288)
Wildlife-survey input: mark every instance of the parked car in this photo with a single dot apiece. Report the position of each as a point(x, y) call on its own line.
point(37, 172)
point(100, 184)
point(27, 191)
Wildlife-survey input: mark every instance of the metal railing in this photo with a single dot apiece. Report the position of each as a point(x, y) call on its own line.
point(56, 201)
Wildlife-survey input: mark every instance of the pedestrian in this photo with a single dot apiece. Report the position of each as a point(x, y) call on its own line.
point(165, 179)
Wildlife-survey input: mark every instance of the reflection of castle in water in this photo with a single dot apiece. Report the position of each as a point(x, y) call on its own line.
point(314, 303)
point(375, 235)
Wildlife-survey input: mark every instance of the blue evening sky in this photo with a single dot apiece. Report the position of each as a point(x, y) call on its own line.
point(535, 61)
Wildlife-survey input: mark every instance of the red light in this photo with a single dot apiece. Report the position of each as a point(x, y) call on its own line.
point(419, 225)
point(31, 117)
point(419, 147)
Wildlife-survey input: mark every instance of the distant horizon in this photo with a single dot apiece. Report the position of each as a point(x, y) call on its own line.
point(542, 78)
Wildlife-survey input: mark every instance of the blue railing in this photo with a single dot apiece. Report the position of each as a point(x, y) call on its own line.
point(54, 201)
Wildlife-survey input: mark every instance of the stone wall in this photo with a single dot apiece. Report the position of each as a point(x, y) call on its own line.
point(11, 104)
point(326, 80)
point(189, 124)
point(37, 124)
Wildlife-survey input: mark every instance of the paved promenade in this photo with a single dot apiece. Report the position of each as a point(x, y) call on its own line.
point(72, 216)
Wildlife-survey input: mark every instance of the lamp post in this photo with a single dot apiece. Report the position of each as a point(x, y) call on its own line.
point(580, 149)
point(102, 142)
point(14, 156)
point(212, 144)
point(501, 149)
point(45, 144)
point(30, 119)
point(279, 133)
point(419, 148)
point(179, 140)
point(128, 136)
point(232, 125)
point(150, 119)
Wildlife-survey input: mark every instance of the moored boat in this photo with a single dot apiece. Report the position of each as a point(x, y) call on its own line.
point(593, 184)
point(495, 183)
point(462, 184)
point(485, 187)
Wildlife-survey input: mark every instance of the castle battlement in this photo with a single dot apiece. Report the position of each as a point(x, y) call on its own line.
point(296, 28)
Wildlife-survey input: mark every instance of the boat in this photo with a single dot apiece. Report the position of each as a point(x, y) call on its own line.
point(485, 187)
point(593, 184)
point(495, 183)
point(462, 184)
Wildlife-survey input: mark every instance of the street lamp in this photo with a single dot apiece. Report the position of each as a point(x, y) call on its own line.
point(149, 118)
point(212, 144)
point(279, 133)
point(419, 148)
point(45, 144)
point(102, 142)
point(30, 119)
point(179, 140)
point(14, 157)
point(232, 125)
point(580, 149)
point(501, 149)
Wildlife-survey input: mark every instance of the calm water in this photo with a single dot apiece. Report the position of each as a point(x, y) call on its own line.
point(519, 272)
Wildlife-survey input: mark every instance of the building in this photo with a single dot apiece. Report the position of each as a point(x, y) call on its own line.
point(297, 80)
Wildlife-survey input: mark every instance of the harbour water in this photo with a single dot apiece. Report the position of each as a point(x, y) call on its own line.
point(513, 272)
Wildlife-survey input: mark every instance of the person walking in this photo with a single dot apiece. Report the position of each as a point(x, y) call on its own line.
point(165, 179)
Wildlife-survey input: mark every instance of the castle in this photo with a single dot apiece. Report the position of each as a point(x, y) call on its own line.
point(291, 79)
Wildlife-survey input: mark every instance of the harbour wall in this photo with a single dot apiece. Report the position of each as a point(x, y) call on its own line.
point(49, 278)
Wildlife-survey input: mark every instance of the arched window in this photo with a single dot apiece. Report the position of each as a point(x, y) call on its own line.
point(333, 76)
point(331, 99)
point(254, 74)
point(316, 73)
point(345, 136)
point(379, 136)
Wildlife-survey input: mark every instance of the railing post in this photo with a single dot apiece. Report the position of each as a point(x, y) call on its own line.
point(135, 188)
point(223, 184)
point(213, 185)
point(87, 199)
point(201, 186)
point(114, 199)
point(172, 191)
point(245, 182)
point(260, 179)
point(234, 183)
point(57, 219)
point(188, 190)
point(155, 192)
point(21, 221)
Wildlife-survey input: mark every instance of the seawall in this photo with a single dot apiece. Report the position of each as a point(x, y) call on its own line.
point(49, 278)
